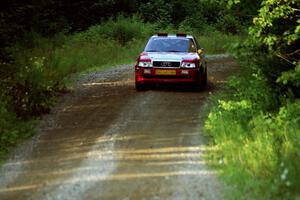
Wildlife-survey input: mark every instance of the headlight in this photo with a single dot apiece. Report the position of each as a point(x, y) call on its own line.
point(145, 64)
point(188, 65)
point(144, 61)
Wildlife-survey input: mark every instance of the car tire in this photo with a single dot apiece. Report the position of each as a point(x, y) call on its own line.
point(140, 87)
point(202, 82)
point(198, 85)
point(204, 79)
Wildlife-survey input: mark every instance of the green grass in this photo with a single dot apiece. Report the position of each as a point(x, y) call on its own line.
point(13, 130)
point(217, 42)
point(258, 147)
point(77, 57)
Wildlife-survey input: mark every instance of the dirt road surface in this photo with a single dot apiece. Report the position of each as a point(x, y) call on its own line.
point(104, 140)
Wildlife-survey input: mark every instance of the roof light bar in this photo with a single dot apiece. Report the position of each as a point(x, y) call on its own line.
point(181, 34)
point(162, 34)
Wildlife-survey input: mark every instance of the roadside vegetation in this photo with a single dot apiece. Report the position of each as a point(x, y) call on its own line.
point(40, 67)
point(254, 123)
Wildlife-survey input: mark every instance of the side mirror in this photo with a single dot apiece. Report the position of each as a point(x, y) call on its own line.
point(200, 51)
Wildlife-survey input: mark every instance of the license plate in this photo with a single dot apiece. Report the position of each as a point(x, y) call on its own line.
point(165, 72)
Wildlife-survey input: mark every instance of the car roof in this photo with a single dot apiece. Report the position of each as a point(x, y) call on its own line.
point(172, 36)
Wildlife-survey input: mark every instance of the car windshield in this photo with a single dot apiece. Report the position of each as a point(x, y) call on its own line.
point(170, 45)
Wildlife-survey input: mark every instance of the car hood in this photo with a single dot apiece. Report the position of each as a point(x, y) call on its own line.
point(171, 56)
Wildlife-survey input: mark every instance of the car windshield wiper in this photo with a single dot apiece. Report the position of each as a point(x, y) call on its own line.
point(152, 50)
point(175, 51)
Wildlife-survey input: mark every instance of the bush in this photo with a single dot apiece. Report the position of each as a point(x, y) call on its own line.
point(216, 42)
point(258, 143)
point(157, 11)
point(12, 130)
point(229, 24)
point(121, 29)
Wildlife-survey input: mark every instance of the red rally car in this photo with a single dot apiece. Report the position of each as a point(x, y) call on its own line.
point(171, 59)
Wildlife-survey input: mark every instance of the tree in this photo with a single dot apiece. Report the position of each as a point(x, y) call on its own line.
point(276, 34)
point(277, 26)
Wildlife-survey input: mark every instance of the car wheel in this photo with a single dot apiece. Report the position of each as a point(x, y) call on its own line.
point(140, 87)
point(200, 85)
point(204, 79)
point(197, 86)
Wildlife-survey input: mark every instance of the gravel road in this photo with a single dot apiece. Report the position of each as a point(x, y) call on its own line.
point(104, 140)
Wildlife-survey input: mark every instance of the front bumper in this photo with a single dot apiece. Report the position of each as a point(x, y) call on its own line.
point(169, 75)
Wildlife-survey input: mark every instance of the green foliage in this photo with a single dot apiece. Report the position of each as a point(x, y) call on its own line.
point(33, 88)
point(32, 84)
point(229, 24)
point(256, 123)
point(215, 42)
point(157, 11)
point(12, 130)
point(258, 150)
point(197, 15)
point(120, 29)
point(49, 17)
point(278, 28)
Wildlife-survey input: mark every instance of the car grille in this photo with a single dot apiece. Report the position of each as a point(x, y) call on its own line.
point(165, 64)
point(167, 77)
